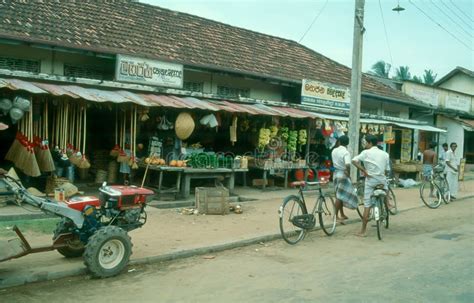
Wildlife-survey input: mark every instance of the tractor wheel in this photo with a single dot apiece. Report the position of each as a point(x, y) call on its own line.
point(75, 247)
point(107, 252)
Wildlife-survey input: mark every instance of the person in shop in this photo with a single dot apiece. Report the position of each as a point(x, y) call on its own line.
point(345, 194)
point(452, 169)
point(376, 166)
point(429, 160)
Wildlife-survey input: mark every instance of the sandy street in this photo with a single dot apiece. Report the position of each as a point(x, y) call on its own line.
point(426, 256)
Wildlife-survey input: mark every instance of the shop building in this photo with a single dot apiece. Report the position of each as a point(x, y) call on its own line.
point(134, 68)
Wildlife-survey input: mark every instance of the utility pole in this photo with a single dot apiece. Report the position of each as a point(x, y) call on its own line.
point(356, 80)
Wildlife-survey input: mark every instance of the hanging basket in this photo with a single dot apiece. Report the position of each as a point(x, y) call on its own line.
point(184, 126)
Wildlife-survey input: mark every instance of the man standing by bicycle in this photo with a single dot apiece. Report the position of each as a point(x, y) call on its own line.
point(376, 165)
point(452, 167)
point(345, 195)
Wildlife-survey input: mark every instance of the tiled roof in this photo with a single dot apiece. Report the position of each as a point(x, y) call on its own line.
point(149, 31)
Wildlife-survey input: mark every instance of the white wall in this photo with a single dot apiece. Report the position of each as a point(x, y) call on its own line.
point(460, 83)
point(455, 133)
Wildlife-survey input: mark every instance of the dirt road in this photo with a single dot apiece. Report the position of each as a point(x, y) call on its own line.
point(426, 256)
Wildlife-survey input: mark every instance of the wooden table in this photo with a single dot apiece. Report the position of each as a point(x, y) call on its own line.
point(166, 169)
point(208, 173)
point(285, 172)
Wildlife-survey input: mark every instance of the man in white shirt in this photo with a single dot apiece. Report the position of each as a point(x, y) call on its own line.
point(452, 167)
point(345, 195)
point(376, 165)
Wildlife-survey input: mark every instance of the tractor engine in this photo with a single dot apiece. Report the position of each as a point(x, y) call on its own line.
point(123, 206)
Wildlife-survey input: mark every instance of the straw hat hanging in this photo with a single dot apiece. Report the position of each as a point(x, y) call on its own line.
point(184, 125)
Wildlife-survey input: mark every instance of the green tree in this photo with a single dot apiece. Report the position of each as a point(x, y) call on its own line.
point(417, 79)
point(429, 77)
point(381, 69)
point(402, 73)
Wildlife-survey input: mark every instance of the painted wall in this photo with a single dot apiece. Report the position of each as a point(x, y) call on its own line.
point(460, 83)
point(440, 97)
point(455, 133)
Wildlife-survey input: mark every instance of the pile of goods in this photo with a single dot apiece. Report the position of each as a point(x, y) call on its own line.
point(155, 160)
point(178, 163)
point(292, 140)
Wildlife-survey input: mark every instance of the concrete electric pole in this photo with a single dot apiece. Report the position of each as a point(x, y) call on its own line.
point(356, 80)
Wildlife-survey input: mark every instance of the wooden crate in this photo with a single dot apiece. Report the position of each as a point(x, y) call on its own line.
point(212, 200)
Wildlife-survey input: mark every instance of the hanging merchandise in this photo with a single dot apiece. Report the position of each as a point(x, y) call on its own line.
point(363, 128)
point(292, 140)
point(84, 163)
point(16, 114)
point(123, 157)
point(22, 103)
point(5, 105)
point(184, 126)
point(284, 133)
point(327, 130)
point(302, 137)
point(318, 123)
point(273, 131)
point(43, 153)
point(263, 138)
point(338, 130)
point(116, 150)
point(143, 114)
point(233, 130)
point(133, 138)
point(165, 124)
point(29, 165)
point(344, 126)
point(209, 120)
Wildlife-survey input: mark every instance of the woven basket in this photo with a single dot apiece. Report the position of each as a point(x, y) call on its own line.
point(101, 176)
point(54, 182)
point(184, 126)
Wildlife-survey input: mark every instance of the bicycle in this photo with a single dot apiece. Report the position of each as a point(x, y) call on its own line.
point(296, 221)
point(391, 197)
point(435, 188)
point(381, 211)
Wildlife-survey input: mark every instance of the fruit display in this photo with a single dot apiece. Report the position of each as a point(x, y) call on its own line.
point(177, 163)
point(302, 137)
point(284, 133)
point(263, 138)
point(292, 140)
point(155, 160)
point(273, 131)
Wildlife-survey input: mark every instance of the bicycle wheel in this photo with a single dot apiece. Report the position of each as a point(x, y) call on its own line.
point(291, 207)
point(444, 189)
point(378, 217)
point(385, 214)
point(392, 200)
point(430, 194)
point(327, 214)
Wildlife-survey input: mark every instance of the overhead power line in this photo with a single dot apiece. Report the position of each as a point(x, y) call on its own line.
point(457, 16)
point(386, 36)
point(449, 17)
point(314, 20)
point(462, 12)
point(452, 35)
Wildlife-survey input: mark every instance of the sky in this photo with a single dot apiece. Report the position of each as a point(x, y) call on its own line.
point(428, 34)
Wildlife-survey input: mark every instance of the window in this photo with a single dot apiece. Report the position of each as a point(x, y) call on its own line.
point(233, 92)
point(194, 86)
point(391, 113)
point(25, 65)
point(370, 111)
point(87, 72)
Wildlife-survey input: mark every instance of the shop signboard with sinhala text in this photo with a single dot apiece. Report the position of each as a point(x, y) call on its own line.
point(148, 72)
point(316, 93)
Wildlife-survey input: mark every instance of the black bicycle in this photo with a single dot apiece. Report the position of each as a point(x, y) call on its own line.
point(391, 197)
point(296, 221)
point(435, 188)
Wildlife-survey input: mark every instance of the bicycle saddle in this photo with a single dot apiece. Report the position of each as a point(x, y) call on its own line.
point(298, 183)
point(379, 191)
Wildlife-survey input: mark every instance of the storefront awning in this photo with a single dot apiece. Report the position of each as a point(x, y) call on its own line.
point(154, 100)
point(468, 124)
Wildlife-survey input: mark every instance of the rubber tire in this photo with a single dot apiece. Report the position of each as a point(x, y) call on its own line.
point(446, 196)
point(424, 199)
point(71, 251)
point(94, 246)
point(301, 232)
point(378, 222)
point(394, 210)
point(328, 201)
point(360, 195)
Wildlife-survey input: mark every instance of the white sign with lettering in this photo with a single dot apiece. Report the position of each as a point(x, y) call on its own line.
point(145, 71)
point(325, 94)
point(457, 102)
point(425, 95)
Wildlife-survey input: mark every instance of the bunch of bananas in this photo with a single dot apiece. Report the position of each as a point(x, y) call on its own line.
point(273, 131)
point(292, 140)
point(284, 133)
point(302, 137)
point(263, 138)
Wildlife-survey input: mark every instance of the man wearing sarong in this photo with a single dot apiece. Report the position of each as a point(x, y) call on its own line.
point(345, 194)
point(451, 169)
point(376, 166)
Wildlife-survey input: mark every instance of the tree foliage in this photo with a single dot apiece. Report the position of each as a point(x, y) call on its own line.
point(381, 69)
point(429, 77)
point(402, 73)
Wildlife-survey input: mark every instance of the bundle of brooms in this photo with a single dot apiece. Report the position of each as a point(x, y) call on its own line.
point(133, 137)
point(116, 150)
point(43, 153)
point(122, 156)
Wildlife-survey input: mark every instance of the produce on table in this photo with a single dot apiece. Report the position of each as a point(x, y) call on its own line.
point(263, 138)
